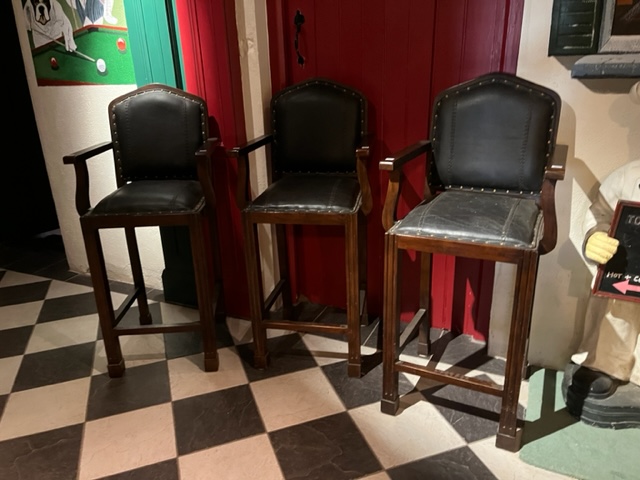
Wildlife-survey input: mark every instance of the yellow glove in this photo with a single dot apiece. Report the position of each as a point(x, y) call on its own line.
point(600, 247)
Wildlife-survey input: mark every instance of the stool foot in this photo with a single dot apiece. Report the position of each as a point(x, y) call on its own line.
point(423, 349)
point(511, 444)
point(354, 370)
point(390, 407)
point(211, 362)
point(146, 319)
point(116, 370)
point(261, 361)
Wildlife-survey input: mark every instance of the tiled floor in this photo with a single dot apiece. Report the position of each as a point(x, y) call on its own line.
point(64, 418)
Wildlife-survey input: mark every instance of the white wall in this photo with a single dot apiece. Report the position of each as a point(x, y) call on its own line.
point(69, 119)
point(253, 46)
point(600, 122)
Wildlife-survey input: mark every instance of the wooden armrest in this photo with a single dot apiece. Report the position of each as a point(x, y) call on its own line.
point(398, 159)
point(241, 152)
point(556, 165)
point(85, 154)
point(79, 162)
point(250, 146)
point(393, 165)
point(204, 156)
point(554, 171)
point(362, 154)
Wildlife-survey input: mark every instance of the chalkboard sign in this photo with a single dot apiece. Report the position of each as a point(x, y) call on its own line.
point(620, 276)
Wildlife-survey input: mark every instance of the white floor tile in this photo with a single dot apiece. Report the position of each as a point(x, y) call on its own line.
point(295, 398)
point(418, 430)
point(62, 289)
point(8, 369)
point(11, 279)
point(187, 378)
point(20, 315)
point(63, 333)
point(250, 458)
point(45, 408)
point(127, 441)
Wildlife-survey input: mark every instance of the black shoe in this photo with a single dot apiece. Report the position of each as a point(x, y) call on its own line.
point(594, 384)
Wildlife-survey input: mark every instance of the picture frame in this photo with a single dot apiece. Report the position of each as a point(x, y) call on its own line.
point(619, 278)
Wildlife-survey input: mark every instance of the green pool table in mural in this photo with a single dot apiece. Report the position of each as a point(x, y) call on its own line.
point(54, 65)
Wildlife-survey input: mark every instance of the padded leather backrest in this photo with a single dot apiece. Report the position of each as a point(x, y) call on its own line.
point(156, 131)
point(317, 126)
point(496, 131)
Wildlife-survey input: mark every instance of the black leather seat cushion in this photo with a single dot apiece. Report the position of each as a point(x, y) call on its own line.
point(151, 197)
point(309, 193)
point(477, 217)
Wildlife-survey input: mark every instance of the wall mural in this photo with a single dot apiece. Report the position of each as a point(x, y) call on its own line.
point(79, 42)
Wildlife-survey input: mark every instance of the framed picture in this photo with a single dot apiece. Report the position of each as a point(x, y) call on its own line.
point(587, 27)
point(620, 276)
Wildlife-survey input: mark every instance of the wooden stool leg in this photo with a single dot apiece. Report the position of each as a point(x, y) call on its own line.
point(390, 323)
point(138, 278)
point(362, 267)
point(95, 256)
point(354, 361)
point(509, 436)
point(204, 292)
point(256, 295)
point(424, 334)
point(219, 310)
point(283, 265)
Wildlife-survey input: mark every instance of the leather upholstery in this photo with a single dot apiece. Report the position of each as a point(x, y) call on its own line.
point(494, 132)
point(156, 134)
point(151, 197)
point(317, 125)
point(310, 193)
point(475, 217)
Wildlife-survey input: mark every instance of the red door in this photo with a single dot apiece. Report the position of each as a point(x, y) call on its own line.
point(400, 54)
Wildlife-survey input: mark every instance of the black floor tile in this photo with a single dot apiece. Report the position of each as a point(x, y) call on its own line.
point(28, 292)
point(51, 455)
point(329, 447)
point(287, 354)
point(139, 387)
point(55, 366)
point(14, 341)
point(356, 392)
point(158, 471)
point(212, 419)
point(459, 464)
point(67, 307)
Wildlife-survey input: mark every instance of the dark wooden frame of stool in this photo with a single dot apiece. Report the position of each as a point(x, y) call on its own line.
point(208, 283)
point(526, 260)
point(355, 249)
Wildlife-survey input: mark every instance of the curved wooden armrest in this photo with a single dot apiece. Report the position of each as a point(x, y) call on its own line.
point(79, 162)
point(398, 159)
point(250, 146)
point(556, 164)
point(241, 152)
point(554, 171)
point(204, 157)
point(393, 165)
point(362, 154)
point(87, 153)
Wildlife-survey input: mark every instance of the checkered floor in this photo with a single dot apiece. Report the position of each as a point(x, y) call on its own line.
point(64, 418)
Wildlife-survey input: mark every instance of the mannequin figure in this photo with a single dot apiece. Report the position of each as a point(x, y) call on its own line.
point(609, 353)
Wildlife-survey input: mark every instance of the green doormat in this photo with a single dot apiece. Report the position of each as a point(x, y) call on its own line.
point(556, 441)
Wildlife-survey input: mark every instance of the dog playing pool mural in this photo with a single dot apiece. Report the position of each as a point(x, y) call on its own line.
point(79, 42)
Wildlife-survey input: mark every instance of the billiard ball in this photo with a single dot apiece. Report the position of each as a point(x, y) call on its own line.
point(122, 45)
point(101, 65)
point(54, 63)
